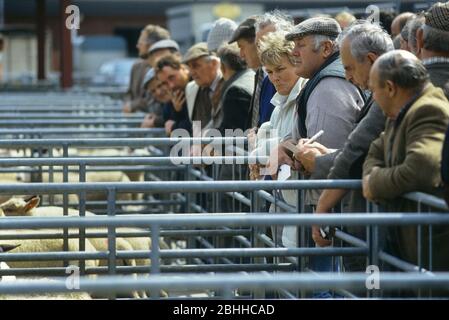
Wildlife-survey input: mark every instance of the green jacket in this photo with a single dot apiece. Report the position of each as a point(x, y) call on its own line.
point(409, 158)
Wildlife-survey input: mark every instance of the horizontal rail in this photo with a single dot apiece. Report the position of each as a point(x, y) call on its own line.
point(176, 186)
point(76, 130)
point(118, 160)
point(219, 220)
point(74, 116)
point(113, 142)
point(38, 122)
point(116, 284)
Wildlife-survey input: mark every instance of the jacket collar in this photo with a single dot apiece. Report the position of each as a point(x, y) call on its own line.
point(280, 101)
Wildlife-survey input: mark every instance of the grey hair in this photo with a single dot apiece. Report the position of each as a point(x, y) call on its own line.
point(414, 25)
point(319, 39)
point(402, 68)
point(366, 37)
point(435, 40)
point(229, 55)
point(280, 20)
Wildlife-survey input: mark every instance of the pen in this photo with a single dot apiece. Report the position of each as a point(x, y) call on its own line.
point(290, 146)
point(314, 137)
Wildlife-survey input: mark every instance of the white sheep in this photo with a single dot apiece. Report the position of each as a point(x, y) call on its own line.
point(3, 265)
point(22, 207)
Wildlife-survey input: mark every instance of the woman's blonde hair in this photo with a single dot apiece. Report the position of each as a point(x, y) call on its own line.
point(273, 46)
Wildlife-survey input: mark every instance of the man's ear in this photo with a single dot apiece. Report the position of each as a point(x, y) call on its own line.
point(327, 48)
point(371, 56)
point(419, 41)
point(391, 88)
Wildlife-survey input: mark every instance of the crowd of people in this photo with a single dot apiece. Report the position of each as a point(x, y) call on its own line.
point(378, 101)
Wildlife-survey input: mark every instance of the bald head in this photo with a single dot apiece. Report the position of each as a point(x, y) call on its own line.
point(402, 68)
point(399, 23)
point(395, 78)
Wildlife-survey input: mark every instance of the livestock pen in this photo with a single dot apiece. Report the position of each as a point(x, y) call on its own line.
point(217, 236)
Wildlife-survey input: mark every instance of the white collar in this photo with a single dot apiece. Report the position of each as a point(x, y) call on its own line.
point(279, 100)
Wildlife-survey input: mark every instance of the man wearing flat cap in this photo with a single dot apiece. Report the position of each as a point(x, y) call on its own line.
point(433, 45)
point(162, 48)
point(327, 102)
point(204, 91)
point(261, 108)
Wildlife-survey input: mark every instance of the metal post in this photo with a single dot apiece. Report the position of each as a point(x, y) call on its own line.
point(65, 200)
point(154, 255)
point(111, 235)
point(66, 62)
point(82, 213)
point(41, 39)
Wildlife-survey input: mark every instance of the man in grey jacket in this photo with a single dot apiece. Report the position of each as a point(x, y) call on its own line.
point(360, 46)
point(327, 102)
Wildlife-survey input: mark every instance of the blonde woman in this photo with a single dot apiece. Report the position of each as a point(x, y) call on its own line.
point(276, 58)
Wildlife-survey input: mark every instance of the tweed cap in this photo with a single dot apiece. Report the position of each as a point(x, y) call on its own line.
point(148, 77)
point(164, 44)
point(221, 32)
point(246, 29)
point(438, 16)
point(319, 25)
point(196, 51)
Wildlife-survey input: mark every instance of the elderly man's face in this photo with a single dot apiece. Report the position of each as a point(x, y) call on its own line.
point(203, 70)
point(355, 71)
point(174, 79)
point(308, 60)
point(248, 52)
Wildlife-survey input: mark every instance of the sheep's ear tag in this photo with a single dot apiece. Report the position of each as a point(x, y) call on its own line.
point(32, 203)
point(8, 247)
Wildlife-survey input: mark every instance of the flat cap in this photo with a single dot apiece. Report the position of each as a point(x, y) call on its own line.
point(164, 44)
point(246, 29)
point(221, 32)
point(196, 51)
point(319, 25)
point(148, 77)
point(438, 16)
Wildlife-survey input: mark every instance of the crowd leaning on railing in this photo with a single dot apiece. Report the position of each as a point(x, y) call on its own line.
point(291, 149)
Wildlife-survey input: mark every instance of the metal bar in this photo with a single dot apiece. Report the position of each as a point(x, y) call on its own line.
point(124, 142)
point(250, 281)
point(207, 220)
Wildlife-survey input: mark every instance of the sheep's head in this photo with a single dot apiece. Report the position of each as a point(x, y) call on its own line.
point(20, 206)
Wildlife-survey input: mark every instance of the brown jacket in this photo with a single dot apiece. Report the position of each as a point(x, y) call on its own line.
point(409, 158)
point(136, 94)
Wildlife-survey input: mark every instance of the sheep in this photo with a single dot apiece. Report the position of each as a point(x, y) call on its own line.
point(112, 176)
point(43, 245)
point(52, 245)
point(29, 207)
point(3, 265)
point(22, 207)
point(9, 178)
point(52, 296)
